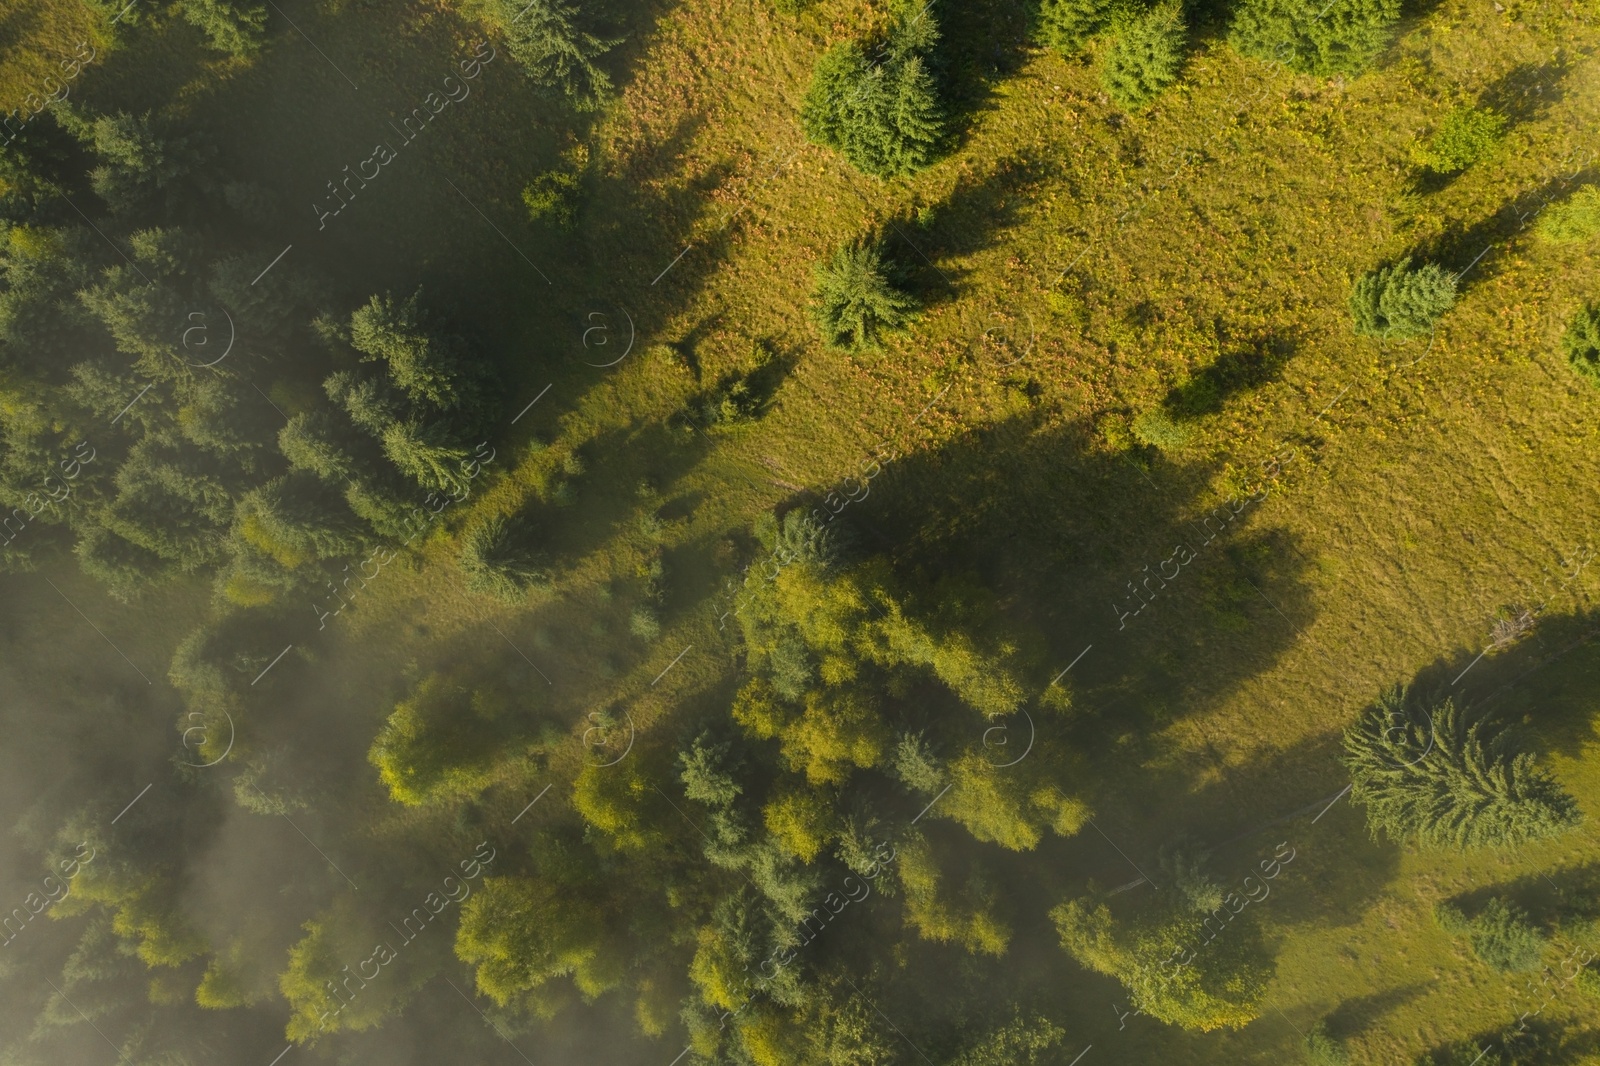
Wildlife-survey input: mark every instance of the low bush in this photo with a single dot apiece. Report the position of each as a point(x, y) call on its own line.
point(1466, 135)
point(1581, 342)
point(1575, 219)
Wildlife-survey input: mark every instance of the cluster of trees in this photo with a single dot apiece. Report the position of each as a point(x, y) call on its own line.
point(1222, 984)
point(881, 111)
point(1140, 47)
point(1448, 777)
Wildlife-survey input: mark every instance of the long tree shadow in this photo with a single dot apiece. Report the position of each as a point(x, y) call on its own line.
point(1544, 673)
point(1471, 252)
point(1079, 544)
point(980, 45)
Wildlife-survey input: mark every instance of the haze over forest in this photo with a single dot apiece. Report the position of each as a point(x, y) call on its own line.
point(799, 532)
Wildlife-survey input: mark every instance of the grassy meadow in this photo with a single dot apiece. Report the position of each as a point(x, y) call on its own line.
point(1080, 268)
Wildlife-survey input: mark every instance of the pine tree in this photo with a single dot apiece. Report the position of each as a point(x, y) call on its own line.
point(1398, 301)
point(229, 25)
point(1581, 342)
point(1461, 782)
point(884, 117)
point(855, 302)
point(1145, 56)
point(1313, 36)
point(1069, 25)
point(427, 454)
point(555, 51)
point(497, 561)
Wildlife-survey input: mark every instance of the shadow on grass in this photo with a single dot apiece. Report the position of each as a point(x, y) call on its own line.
point(1471, 252)
point(1257, 362)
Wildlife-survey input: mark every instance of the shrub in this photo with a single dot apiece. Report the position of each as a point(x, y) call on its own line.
point(855, 301)
point(884, 117)
point(1312, 36)
point(1502, 936)
point(644, 624)
point(1466, 135)
point(1581, 342)
point(1145, 55)
point(496, 561)
point(1398, 301)
point(1460, 782)
point(1588, 980)
point(1577, 219)
point(552, 198)
point(1068, 25)
point(1322, 1049)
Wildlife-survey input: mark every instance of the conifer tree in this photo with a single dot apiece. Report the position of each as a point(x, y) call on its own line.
point(1458, 782)
point(1313, 36)
point(547, 37)
point(855, 302)
point(1398, 301)
point(1069, 25)
point(885, 117)
point(1145, 55)
point(497, 561)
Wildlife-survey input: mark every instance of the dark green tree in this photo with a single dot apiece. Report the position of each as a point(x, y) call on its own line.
point(233, 26)
point(855, 302)
point(1313, 36)
point(426, 362)
point(497, 560)
point(298, 519)
point(427, 454)
point(1399, 301)
point(1145, 56)
point(884, 117)
point(1450, 779)
point(556, 49)
point(1069, 25)
point(1581, 342)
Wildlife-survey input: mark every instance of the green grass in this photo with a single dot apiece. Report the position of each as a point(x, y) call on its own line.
point(1428, 487)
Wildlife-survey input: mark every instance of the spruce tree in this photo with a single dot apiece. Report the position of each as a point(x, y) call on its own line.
point(547, 37)
point(1313, 36)
point(1069, 25)
point(855, 302)
point(884, 117)
point(1459, 781)
point(1145, 55)
point(497, 560)
point(1398, 301)
point(229, 25)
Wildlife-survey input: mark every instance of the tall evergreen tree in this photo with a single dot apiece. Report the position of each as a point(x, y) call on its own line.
point(555, 49)
point(855, 302)
point(1313, 36)
point(1460, 782)
point(1145, 56)
point(1399, 301)
point(884, 117)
